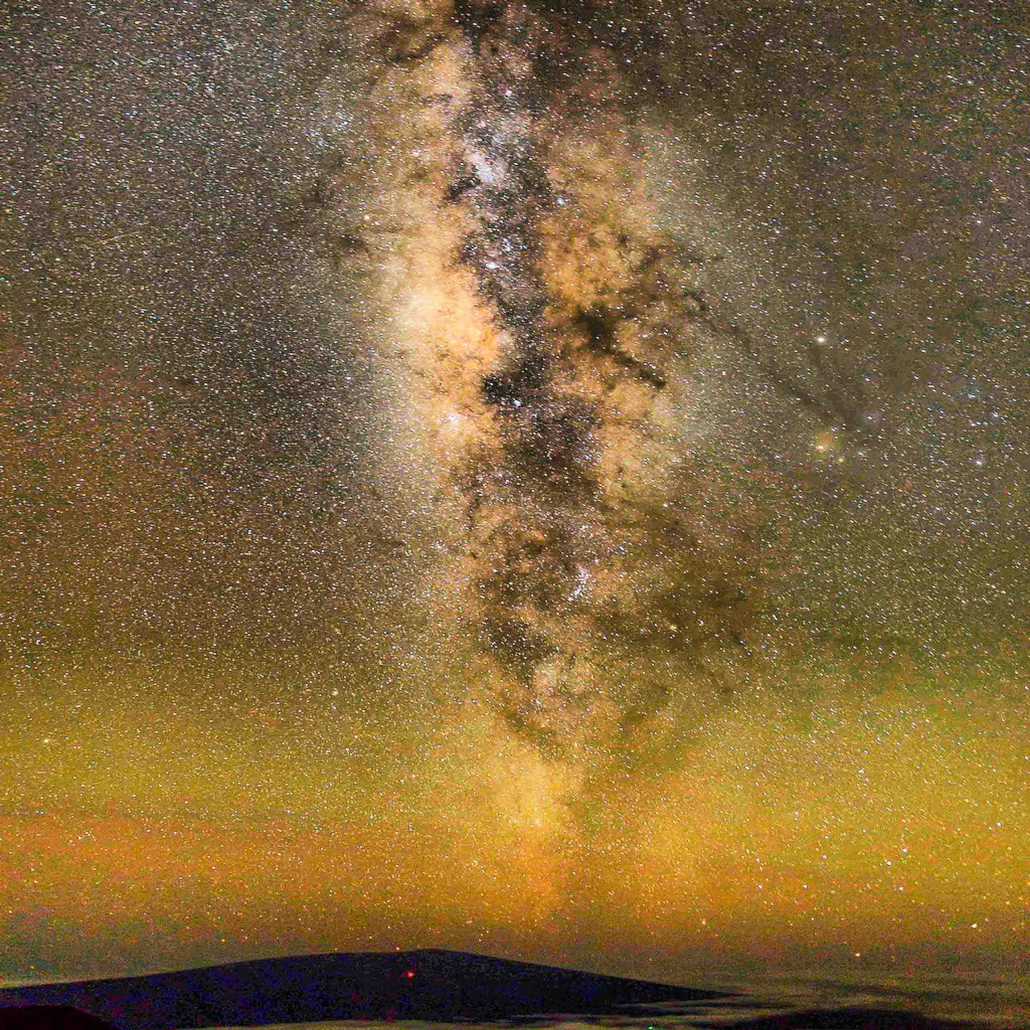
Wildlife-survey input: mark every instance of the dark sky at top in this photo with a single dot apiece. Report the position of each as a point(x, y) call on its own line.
point(550, 479)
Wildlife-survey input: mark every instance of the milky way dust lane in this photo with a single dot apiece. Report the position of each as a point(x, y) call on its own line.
point(551, 337)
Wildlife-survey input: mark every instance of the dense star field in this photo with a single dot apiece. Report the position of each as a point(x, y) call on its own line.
point(547, 479)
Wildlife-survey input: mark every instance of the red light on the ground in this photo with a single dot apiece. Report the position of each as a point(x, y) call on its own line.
point(410, 973)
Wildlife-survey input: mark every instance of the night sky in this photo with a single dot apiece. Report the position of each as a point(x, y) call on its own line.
point(549, 479)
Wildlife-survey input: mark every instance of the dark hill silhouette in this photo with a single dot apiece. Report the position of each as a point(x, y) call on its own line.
point(428, 985)
point(50, 1017)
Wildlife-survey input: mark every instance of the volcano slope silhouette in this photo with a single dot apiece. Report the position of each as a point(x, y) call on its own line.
point(427, 985)
point(50, 1017)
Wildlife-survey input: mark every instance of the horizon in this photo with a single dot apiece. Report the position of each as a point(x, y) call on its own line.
point(438, 985)
point(741, 975)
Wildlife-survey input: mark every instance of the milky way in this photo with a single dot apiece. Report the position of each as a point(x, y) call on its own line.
point(558, 339)
point(546, 479)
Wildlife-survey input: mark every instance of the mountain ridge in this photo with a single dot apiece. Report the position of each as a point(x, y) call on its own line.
point(428, 984)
